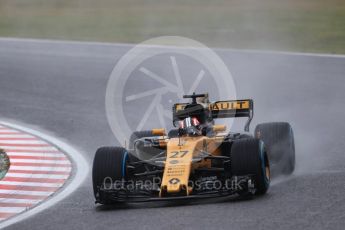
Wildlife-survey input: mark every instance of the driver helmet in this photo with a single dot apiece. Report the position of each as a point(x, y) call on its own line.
point(191, 125)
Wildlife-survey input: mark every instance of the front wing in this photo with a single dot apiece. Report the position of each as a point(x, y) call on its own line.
point(111, 195)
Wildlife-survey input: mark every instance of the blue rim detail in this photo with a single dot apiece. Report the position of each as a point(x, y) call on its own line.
point(124, 159)
point(263, 166)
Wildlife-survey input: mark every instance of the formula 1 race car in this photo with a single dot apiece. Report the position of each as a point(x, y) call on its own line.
point(198, 159)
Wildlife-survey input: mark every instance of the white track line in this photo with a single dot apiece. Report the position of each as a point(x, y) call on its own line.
point(19, 201)
point(40, 161)
point(32, 168)
point(46, 176)
point(33, 154)
point(13, 135)
point(27, 193)
point(10, 196)
point(13, 148)
point(4, 142)
point(14, 210)
point(50, 185)
point(127, 45)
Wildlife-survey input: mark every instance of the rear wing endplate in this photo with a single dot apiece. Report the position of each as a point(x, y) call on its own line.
point(233, 108)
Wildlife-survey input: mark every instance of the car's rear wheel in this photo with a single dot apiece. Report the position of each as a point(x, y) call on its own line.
point(248, 157)
point(109, 167)
point(279, 141)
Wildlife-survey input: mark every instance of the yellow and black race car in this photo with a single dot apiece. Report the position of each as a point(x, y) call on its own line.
point(196, 160)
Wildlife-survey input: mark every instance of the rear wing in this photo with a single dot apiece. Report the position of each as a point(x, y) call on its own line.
point(233, 108)
point(222, 109)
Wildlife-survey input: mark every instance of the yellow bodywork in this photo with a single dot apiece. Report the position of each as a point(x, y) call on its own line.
point(158, 132)
point(179, 165)
point(184, 154)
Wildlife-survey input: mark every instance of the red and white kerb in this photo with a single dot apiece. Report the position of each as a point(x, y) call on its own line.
point(38, 170)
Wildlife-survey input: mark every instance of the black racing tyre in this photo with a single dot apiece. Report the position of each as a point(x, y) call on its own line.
point(109, 165)
point(280, 144)
point(137, 135)
point(248, 157)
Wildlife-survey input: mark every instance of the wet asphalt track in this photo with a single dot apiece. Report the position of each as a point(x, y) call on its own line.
point(60, 88)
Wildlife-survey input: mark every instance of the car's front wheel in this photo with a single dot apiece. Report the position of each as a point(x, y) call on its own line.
point(249, 157)
point(109, 167)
